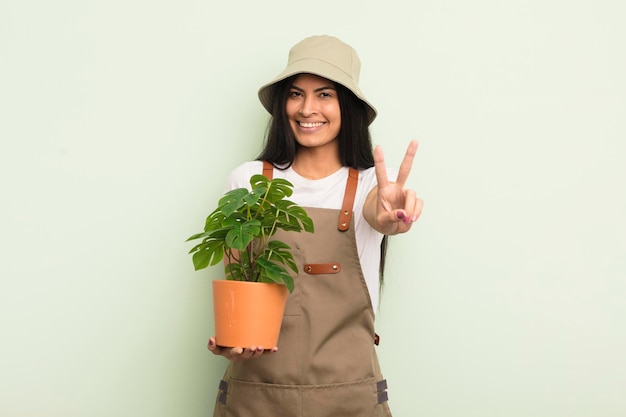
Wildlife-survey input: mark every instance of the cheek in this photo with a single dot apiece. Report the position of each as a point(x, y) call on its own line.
point(291, 107)
point(335, 110)
point(337, 116)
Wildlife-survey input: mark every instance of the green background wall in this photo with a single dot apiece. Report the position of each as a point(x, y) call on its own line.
point(119, 121)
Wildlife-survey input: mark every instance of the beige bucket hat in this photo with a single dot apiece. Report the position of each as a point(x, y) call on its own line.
point(327, 57)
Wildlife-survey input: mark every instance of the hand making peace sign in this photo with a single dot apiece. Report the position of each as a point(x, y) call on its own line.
point(390, 208)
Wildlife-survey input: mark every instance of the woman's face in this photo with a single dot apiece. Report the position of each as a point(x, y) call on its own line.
point(313, 111)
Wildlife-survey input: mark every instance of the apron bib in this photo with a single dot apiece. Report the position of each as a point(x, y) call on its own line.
point(326, 364)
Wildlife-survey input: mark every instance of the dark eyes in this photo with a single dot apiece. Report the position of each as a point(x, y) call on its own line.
point(297, 94)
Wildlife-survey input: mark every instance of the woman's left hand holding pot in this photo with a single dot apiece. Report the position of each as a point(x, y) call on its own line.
point(238, 354)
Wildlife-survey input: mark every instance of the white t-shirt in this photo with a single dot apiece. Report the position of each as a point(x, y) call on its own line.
point(328, 193)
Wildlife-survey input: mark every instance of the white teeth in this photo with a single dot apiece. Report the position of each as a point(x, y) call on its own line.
point(310, 124)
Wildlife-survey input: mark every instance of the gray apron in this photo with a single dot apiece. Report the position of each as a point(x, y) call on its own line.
point(326, 364)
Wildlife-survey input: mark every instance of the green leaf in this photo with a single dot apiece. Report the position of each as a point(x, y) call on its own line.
point(209, 253)
point(242, 233)
point(279, 189)
point(258, 181)
point(278, 251)
point(232, 201)
point(253, 197)
point(196, 236)
point(294, 216)
point(214, 221)
point(272, 272)
point(288, 282)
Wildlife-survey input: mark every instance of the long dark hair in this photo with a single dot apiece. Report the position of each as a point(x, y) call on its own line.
point(355, 142)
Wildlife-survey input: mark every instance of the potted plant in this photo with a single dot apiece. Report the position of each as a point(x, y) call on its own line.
point(239, 232)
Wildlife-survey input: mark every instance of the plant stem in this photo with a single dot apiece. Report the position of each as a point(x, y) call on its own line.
point(264, 200)
point(250, 263)
point(273, 229)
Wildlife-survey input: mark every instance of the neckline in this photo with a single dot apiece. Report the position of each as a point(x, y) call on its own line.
point(342, 171)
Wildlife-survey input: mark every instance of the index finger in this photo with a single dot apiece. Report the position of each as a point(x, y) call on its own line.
point(379, 167)
point(407, 162)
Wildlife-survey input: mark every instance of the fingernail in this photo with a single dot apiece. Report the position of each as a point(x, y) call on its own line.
point(210, 342)
point(400, 215)
point(414, 218)
point(259, 349)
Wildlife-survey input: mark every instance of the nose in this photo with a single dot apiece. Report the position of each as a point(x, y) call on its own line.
point(308, 107)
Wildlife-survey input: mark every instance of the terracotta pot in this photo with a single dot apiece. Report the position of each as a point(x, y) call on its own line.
point(248, 313)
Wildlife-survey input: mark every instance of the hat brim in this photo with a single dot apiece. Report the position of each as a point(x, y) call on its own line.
point(320, 68)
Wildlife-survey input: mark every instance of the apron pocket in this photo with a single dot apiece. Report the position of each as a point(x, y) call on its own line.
point(252, 399)
point(351, 399)
point(360, 398)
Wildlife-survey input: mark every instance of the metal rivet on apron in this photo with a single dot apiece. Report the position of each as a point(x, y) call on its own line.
point(309, 269)
point(381, 387)
point(344, 224)
point(383, 397)
point(222, 397)
point(334, 267)
point(345, 213)
point(223, 392)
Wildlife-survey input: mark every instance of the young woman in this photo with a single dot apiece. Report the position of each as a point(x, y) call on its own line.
point(319, 140)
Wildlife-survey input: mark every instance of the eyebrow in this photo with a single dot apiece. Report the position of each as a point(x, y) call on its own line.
point(317, 90)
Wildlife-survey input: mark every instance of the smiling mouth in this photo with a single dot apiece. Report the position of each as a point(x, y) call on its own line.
point(305, 124)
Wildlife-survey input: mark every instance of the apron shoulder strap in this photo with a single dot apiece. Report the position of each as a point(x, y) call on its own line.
point(268, 170)
point(345, 215)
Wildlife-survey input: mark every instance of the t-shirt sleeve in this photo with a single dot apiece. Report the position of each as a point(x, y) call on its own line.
point(240, 176)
